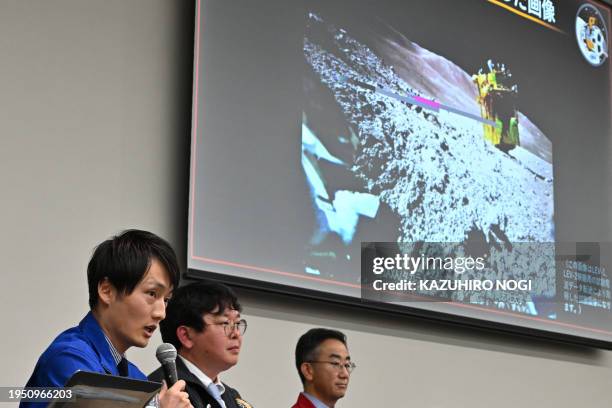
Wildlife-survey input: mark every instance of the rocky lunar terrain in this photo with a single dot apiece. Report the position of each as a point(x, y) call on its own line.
point(435, 170)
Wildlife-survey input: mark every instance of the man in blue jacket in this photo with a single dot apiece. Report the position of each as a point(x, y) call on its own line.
point(130, 278)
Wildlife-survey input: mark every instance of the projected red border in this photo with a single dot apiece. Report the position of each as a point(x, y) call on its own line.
point(192, 205)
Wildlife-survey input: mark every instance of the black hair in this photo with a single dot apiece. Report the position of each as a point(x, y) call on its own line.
point(125, 259)
point(190, 303)
point(307, 345)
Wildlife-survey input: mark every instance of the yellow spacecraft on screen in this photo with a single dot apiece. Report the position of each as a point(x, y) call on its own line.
point(497, 102)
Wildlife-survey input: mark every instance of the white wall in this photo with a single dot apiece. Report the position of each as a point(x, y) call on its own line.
point(94, 124)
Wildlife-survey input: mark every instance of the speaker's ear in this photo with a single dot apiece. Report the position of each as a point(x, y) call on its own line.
point(185, 336)
point(107, 293)
point(307, 371)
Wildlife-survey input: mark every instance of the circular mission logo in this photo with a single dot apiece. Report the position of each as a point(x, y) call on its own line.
point(592, 34)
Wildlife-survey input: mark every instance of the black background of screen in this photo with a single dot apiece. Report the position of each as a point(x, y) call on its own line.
point(252, 204)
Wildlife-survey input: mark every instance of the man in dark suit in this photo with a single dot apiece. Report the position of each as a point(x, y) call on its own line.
point(324, 366)
point(203, 323)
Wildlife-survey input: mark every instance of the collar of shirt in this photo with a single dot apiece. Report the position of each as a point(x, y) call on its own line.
point(316, 402)
point(116, 355)
point(201, 376)
point(92, 331)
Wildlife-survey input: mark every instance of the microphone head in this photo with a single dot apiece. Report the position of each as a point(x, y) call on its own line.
point(166, 353)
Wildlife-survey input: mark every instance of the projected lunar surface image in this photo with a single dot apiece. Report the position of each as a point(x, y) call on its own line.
point(401, 144)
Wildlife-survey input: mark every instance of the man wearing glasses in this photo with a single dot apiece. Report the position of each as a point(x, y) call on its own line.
point(203, 323)
point(324, 366)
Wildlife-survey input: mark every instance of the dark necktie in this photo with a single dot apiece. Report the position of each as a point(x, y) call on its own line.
point(123, 367)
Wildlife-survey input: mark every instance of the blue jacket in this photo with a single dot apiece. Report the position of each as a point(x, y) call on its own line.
point(81, 348)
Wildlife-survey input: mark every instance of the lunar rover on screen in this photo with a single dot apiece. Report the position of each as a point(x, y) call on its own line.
point(497, 100)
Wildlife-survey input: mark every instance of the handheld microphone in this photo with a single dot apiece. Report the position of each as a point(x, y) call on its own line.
point(166, 355)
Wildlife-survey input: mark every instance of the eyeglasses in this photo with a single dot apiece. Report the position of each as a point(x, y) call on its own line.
point(338, 366)
point(229, 328)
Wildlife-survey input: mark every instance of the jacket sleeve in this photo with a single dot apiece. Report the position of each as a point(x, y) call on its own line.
point(55, 369)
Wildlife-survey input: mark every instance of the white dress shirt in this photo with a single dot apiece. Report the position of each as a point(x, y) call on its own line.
point(201, 376)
